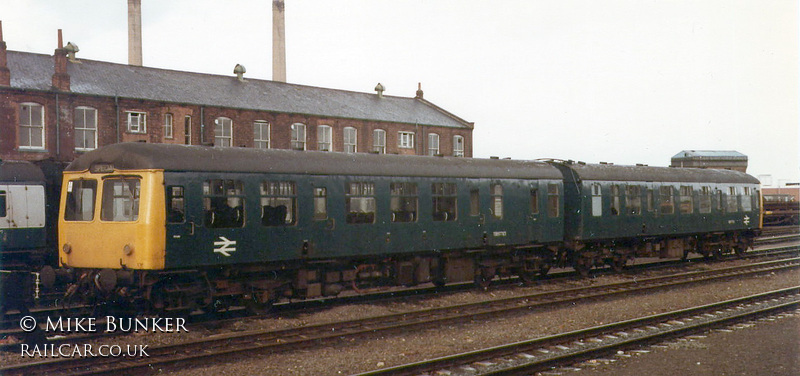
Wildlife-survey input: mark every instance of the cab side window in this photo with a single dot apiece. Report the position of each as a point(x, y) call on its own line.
point(176, 204)
point(81, 195)
point(223, 202)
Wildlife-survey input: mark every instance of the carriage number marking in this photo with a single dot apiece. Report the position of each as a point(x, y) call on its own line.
point(225, 246)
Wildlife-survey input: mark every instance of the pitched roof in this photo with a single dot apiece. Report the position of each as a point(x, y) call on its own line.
point(34, 71)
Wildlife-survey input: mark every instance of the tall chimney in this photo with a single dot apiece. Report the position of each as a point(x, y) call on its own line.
point(5, 74)
point(60, 76)
point(278, 42)
point(135, 32)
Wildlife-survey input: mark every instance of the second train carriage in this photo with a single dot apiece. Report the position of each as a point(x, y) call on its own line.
point(23, 246)
point(618, 212)
point(182, 226)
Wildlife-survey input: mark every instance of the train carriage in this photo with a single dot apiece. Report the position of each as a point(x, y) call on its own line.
point(22, 231)
point(181, 226)
point(618, 212)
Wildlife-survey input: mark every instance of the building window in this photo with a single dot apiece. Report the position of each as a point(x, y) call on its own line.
point(497, 201)
point(223, 203)
point(223, 132)
point(360, 203)
point(31, 126)
point(168, 125)
point(444, 201)
point(433, 144)
point(404, 202)
point(350, 140)
point(458, 146)
point(299, 136)
point(137, 122)
point(278, 203)
point(405, 140)
point(85, 128)
point(379, 141)
point(187, 130)
point(324, 138)
point(633, 199)
point(261, 135)
point(320, 203)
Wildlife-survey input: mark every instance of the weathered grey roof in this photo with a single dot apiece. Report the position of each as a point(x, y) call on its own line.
point(34, 71)
point(203, 158)
point(602, 172)
point(710, 154)
point(20, 171)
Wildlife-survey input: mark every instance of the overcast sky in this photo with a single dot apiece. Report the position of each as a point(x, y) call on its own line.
point(625, 81)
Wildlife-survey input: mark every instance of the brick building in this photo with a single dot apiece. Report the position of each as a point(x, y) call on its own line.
point(718, 159)
point(56, 107)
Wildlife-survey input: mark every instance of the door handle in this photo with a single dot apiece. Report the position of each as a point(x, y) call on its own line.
point(191, 228)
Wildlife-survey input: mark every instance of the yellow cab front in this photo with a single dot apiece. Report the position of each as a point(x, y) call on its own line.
point(112, 219)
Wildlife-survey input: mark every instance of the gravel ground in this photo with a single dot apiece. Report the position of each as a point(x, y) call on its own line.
point(353, 356)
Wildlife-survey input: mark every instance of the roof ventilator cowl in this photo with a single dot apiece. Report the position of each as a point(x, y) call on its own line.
point(380, 89)
point(239, 70)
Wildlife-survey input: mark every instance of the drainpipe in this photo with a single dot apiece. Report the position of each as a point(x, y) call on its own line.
point(202, 125)
point(116, 105)
point(58, 129)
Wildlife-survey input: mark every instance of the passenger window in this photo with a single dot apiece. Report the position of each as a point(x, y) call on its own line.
point(404, 202)
point(360, 203)
point(444, 201)
point(120, 199)
point(320, 203)
point(176, 204)
point(474, 202)
point(552, 200)
point(534, 201)
point(3, 212)
point(497, 201)
point(81, 195)
point(667, 205)
point(747, 200)
point(278, 203)
point(705, 200)
point(633, 199)
point(223, 202)
point(733, 205)
point(687, 204)
point(597, 200)
point(615, 204)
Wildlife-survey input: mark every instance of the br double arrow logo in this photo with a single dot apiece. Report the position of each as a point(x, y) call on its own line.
point(225, 246)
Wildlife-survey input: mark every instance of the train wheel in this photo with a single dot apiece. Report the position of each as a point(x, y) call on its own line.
point(527, 277)
point(482, 281)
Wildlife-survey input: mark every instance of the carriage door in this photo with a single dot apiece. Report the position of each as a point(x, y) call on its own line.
point(534, 225)
point(181, 225)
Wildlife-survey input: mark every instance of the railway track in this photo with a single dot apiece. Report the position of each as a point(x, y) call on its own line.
point(204, 321)
point(228, 345)
point(542, 354)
